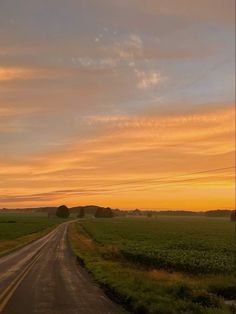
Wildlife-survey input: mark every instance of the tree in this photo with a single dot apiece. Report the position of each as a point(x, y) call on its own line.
point(63, 212)
point(81, 213)
point(137, 212)
point(104, 213)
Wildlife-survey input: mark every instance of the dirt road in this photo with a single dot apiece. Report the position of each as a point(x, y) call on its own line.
point(44, 278)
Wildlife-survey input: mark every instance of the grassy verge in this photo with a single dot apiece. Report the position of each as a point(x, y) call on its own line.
point(19, 230)
point(142, 290)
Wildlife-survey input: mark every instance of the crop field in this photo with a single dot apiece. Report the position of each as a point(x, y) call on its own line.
point(13, 226)
point(163, 265)
point(18, 229)
point(194, 245)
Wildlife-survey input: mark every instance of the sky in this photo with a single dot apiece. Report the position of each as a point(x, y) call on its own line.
point(127, 104)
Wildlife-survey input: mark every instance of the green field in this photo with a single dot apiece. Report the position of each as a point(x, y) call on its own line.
point(194, 245)
point(19, 229)
point(160, 265)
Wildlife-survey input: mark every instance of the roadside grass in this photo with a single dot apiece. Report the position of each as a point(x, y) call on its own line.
point(147, 290)
point(16, 230)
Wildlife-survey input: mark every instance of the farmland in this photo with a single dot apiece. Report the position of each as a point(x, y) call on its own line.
point(19, 229)
point(196, 245)
point(160, 265)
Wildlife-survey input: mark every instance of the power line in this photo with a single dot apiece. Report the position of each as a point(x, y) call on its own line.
point(196, 172)
point(168, 180)
point(176, 176)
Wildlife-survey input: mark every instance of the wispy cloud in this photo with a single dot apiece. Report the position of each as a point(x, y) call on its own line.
point(128, 47)
point(148, 79)
point(8, 74)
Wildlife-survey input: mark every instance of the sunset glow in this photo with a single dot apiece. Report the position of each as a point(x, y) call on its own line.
point(127, 104)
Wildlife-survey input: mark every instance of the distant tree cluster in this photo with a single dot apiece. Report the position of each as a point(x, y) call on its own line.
point(97, 211)
point(104, 213)
point(63, 212)
point(218, 213)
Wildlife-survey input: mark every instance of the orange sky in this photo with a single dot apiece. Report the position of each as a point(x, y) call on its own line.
point(117, 104)
point(143, 161)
